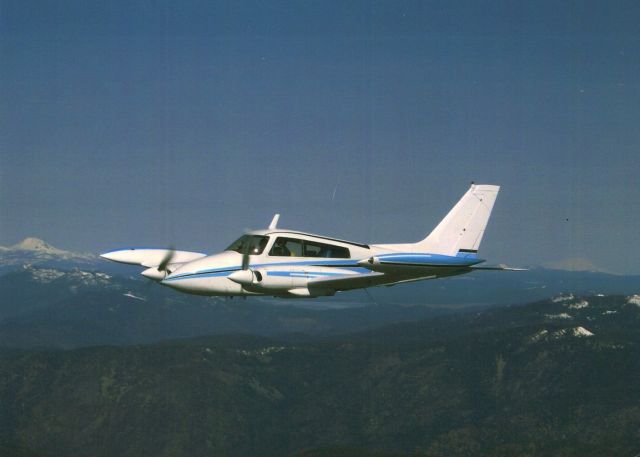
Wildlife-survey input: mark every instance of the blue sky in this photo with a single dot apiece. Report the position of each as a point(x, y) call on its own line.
point(184, 123)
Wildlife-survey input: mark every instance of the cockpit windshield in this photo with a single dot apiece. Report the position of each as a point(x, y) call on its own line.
point(253, 244)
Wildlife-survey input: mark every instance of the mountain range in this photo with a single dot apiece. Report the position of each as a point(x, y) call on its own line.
point(101, 362)
point(557, 377)
point(56, 298)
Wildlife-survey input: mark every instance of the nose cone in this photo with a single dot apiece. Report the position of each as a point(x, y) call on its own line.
point(244, 277)
point(109, 256)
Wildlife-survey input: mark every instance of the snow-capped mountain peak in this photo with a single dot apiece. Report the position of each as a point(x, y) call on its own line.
point(34, 251)
point(37, 245)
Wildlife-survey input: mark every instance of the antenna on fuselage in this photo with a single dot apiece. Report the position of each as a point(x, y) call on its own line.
point(274, 222)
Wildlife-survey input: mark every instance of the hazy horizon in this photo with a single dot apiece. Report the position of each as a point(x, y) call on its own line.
point(154, 123)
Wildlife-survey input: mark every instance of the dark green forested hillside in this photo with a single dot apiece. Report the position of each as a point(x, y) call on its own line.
point(552, 378)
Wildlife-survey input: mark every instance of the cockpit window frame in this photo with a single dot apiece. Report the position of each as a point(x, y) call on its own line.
point(258, 247)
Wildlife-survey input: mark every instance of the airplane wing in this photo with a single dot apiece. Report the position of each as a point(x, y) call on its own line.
point(347, 282)
point(373, 279)
point(150, 257)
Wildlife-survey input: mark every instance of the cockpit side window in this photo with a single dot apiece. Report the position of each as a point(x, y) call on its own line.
point(255, 244)
point(292, 247)
point(314, 249)
point(286, 247)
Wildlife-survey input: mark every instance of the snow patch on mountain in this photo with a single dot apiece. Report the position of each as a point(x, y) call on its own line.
point(539, 336)
point(579, 332)
point(562, 298)
point(544, 335)
point(633, 300)
point(88, 278)
point(558, 316)
point(45, 275)
point(578, 305)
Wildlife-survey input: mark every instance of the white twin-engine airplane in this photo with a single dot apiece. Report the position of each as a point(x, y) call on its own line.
point(293, 264)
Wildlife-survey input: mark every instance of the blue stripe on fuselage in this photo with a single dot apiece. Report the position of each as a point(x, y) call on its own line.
point(349, 265)
point(426, 260)
point(308, 274)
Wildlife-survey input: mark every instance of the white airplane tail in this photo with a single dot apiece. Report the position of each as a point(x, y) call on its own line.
point(461, 231)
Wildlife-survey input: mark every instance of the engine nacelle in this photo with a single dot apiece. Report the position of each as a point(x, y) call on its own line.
point(243, 277)
point(268, 280)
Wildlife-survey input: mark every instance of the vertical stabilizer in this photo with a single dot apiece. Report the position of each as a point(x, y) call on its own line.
point(460, 232)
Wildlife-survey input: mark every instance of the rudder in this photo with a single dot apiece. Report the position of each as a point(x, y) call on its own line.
point(461, 231)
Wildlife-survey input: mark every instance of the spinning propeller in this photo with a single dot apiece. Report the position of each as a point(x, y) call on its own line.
point(167, 260)
point(246, 276)
point(161, 271)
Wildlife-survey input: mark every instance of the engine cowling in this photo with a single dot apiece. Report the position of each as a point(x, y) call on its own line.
point(243, 277)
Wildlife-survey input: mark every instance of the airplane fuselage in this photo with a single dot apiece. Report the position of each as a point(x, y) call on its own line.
point(293, 264)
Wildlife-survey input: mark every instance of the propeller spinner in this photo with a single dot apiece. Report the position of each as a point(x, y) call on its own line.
point(161, 271)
